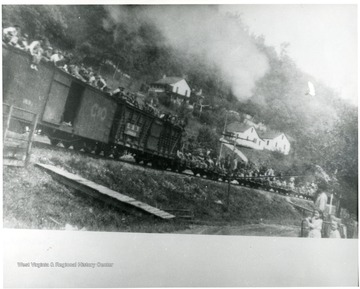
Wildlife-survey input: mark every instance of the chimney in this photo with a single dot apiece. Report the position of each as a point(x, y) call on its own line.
point(164, 76)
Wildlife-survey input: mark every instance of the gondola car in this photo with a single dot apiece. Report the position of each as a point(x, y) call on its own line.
point(76, 114)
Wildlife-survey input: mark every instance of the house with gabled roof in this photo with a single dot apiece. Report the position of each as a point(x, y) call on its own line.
point(246, 135)
point(276, 141)
point(177, 88)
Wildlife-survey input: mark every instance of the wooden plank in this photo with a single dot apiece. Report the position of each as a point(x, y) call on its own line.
point(102, 192)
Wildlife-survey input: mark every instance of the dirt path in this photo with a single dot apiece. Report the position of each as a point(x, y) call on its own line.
point(245, 230)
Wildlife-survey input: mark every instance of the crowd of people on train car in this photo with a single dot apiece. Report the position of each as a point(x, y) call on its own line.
point(266, 176)
point(130, 98)
point(41, 50)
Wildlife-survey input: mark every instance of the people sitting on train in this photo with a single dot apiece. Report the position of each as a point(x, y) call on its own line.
point(209, 162)
point(301, 190)
point(11, 34)
point(277, 182)
point(222, 163)
point(227, 164)
point(92, 79)
point(179, 154)
point(291, 183)
point(36, 51)
point(65, 67)
point(56, 57)
point(84, 72)
point(100, 82)
point(148, 108)
point(75, 71)
point(118, 91)
point(311, 189)
point(48, 52)
point(66, 61)
point(23, 43)
point(270, 172)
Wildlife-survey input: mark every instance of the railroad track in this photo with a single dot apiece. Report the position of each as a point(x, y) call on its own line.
point(95, 156)
point(246, 180)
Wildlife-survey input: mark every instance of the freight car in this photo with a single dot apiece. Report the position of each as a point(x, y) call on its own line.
point(76, 114)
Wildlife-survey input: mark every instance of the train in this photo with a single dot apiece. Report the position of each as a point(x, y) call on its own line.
point(78, 115)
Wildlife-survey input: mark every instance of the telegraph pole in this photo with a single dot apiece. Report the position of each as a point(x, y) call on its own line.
point(223, 133)
point(229, 176)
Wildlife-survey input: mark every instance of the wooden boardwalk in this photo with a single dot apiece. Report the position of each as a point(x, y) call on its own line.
point(101, 192)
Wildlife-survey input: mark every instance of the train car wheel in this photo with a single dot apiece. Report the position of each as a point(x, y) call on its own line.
point(54, 141)
point(107, 152)
point(88, 147)
point(98, 149)
point(66, 144)
point(118, 153)
point(77, 146)
point(164, 165)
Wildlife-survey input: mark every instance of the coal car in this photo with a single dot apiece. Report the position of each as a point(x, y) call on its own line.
point(77, 114)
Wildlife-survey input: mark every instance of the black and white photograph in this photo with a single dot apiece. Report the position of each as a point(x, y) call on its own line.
point(219, 139)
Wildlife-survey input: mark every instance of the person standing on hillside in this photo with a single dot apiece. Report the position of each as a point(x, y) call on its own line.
point(315, 224)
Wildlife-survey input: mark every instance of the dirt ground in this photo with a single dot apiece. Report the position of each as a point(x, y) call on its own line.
point(245, 230)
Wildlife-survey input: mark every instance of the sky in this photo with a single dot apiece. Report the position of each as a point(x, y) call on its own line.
point(323, 39)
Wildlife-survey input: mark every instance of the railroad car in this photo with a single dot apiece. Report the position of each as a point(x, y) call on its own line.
point(76, 114)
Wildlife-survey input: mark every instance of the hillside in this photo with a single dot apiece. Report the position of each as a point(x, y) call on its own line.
point(32, 199)
point(236, 70)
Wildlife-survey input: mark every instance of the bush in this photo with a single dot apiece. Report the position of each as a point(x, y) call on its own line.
point(164, 99)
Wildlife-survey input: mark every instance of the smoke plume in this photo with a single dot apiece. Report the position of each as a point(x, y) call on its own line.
point(203, 30)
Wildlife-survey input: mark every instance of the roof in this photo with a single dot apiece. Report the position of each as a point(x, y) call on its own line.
point(237, 127)
point(270, 134)
point(169, 80)
point(273, 134)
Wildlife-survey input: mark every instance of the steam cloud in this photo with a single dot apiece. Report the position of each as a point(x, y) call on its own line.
point(203, 30)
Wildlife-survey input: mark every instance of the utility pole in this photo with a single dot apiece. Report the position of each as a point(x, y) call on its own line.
point(223, 133)
point(229, 176)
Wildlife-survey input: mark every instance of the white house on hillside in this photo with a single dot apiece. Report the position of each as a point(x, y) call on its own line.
point(276, 141)
point(246, 135)
point(177, 86)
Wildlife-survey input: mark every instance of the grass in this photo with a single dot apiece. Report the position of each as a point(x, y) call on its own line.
point(32, 199)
